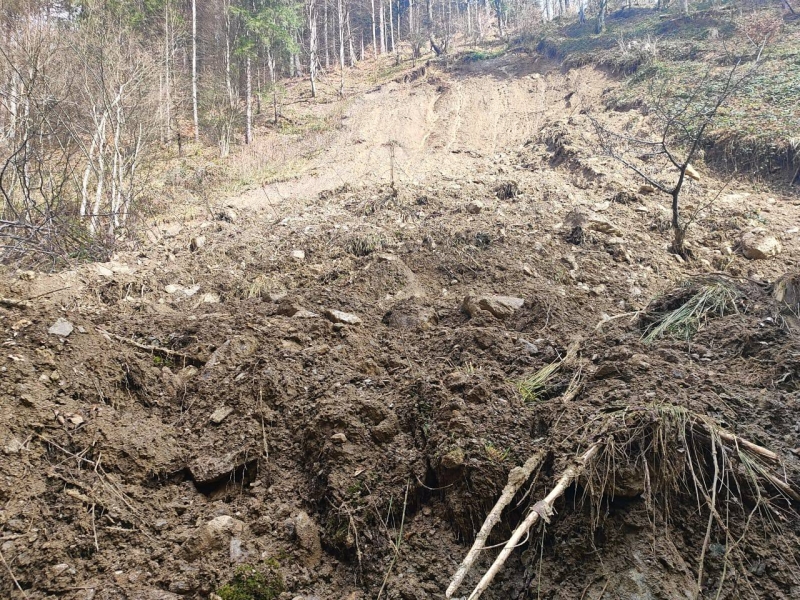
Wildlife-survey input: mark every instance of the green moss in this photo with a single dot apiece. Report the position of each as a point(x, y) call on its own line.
point(264, 582)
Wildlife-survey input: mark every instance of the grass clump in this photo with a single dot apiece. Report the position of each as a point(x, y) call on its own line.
point(682, 313)
point(539, 384)
point(254, 583)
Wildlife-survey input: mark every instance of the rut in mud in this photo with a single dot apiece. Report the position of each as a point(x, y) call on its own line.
point(328, 387)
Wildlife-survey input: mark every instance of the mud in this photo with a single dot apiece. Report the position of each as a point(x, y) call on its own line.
point(181, 430)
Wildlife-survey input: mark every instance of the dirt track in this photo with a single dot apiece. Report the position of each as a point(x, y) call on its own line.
point(116, 458)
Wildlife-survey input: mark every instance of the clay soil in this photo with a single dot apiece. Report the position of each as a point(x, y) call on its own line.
point(204, 378)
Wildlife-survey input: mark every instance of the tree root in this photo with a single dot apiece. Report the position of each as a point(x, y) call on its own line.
point(178, 357)
point(609, 440)
point(516, 478)
point(542, 509)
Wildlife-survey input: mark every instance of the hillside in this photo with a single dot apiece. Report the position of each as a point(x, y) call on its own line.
point(317, 387)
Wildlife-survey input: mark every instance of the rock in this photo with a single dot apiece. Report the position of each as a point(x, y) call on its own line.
point(408, 315)
point(456, 381)
point(386, 430)
point(235, 551)
point(308, 536)
point(59, 569)
point(213, 536)
point(500, 306)
point(219, 415)
point(786, 291)
point(298, 255)
point(759, 244)
point(692, 173)
point(337, 316)
point(211, 469)
point(153, 594)
point(61, 328)
point(475, 207)
point(197, 242)
point(528, 346)
point(453, 460)
point(339, 438)
point(210, 298)
point(173, 288)
point(228, 214)
point(13, 447)
point(582, 219)
point(104, 271)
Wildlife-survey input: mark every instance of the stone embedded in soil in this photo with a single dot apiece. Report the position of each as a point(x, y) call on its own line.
point(386, 430)
point(453, 460)
point(61, 328)
point(291, 309)
point(475, 207)
point(211, 469)
point(308, 537)
point(410, 316)
point(197, 242)
point(213, 536)
point(337, 316)
point(759, 244)
point(339, 438)
point(580, 218)
point(298, 255)
point(501, 307)
point(219, 415)
point(210, 298)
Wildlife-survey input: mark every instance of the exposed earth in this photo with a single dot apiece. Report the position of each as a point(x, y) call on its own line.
point(319, 379)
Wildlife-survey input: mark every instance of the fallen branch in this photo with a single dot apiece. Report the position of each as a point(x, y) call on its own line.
point(542, 509)
point(185, 359)
point(517, 477)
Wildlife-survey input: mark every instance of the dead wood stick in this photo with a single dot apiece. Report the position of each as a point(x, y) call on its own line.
point(516, 478)
point(737, 441)
point(157, 350)
point(11, 574)
point(12, 303)
point(542, 509)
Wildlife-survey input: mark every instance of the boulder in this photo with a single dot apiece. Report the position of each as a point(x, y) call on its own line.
point(759, 244)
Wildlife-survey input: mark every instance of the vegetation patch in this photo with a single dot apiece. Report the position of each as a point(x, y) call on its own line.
point(264, 582)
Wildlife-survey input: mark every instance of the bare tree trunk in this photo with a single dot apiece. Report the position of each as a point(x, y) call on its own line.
point(327, 46)
point(410, 19)
point(391, 25)
point(383, 28)
point(350, 42)
point(167, 81)
point(374, 34)
point(341, 46)
point(248, 136)
point(312, 46)
point(601, 16)
point(194, 72)
point(686, 7)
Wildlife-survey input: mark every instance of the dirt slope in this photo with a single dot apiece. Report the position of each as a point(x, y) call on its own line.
point(207, 409)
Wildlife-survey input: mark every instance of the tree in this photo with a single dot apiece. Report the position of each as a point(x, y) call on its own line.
point(194, 72)
point(683, 119)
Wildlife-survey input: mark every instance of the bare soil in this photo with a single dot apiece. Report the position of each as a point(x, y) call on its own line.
point(204, 381)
